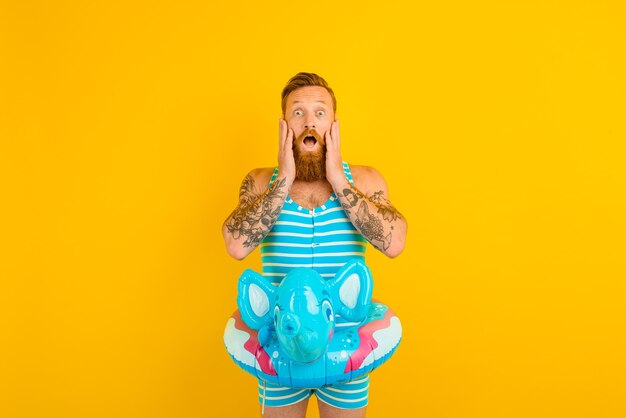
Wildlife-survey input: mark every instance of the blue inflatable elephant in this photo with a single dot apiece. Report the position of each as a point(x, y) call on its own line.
point(310, 331)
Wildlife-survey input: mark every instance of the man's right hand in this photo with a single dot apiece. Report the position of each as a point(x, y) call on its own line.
point(286, 162)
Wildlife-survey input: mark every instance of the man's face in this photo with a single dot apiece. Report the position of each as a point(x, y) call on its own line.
point(309, 112)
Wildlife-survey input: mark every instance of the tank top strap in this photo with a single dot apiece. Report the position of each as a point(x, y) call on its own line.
point(347, 172)
point(274, 175)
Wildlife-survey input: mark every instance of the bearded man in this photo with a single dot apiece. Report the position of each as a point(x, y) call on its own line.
point(312, 210)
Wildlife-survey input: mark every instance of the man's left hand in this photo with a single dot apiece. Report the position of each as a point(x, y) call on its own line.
point(334, 163)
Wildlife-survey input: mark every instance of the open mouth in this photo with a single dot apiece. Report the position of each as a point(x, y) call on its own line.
point(309, 141)
point(310, 138)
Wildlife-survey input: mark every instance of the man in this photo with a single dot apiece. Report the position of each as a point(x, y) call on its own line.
point(312, 210)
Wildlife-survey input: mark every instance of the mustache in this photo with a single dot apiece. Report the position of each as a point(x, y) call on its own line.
point(309, 132)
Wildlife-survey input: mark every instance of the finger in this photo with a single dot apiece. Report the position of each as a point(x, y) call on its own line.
point(289, 141)
point(282, 125)
point(335, 129)
point(333, 137)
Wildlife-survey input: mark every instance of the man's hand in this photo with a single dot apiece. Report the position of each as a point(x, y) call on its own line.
point(286, 162)
point(334, 163)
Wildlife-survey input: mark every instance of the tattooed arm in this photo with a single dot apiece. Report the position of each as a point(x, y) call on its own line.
point(371, 212)
point(254, 217)
point(259, 206)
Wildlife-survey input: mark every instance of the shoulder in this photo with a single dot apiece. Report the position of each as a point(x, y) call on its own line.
point(367, 179)
point(258, 179)
point(262, 175)
point(364, 171)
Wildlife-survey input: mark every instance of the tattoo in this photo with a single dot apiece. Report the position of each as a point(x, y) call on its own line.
point(384, 207)
point(244, 191)
point(352, 197)
point(371, 226)
point(255, 215)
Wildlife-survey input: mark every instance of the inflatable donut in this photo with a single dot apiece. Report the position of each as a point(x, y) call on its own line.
point(311, 332)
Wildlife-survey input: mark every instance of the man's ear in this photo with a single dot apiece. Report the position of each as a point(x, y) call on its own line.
point(351, 290)
point(255, 299)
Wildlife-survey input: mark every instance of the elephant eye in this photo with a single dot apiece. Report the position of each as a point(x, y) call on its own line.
point(327, 309)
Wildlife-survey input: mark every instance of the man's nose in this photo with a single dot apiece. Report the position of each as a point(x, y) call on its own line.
point(310, 124)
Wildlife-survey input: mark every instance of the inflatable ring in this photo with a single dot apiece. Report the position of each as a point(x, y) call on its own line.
point(311, 332)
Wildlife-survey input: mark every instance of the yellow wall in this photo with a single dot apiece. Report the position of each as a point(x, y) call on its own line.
point(127, 128)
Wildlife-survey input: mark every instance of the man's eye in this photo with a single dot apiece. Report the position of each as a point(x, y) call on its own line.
point(320, 113)
point(298, 113)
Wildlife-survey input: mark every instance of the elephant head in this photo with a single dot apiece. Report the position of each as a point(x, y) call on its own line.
point(301, 311)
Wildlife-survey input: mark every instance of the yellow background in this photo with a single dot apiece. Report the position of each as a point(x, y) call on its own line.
point(127, 127)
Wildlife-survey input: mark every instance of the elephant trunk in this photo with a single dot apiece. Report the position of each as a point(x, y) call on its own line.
point(289, 325)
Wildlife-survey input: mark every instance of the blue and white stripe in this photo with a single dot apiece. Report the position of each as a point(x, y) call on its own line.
point(322, 238)
point(352, 395)
point(273, 395)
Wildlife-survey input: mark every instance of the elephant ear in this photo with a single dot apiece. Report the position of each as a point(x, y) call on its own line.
point(256, 299)
point(351, 290)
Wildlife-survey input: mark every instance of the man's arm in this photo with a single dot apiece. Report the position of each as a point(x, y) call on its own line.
point(371, 212)
point(260, 206)
point(367, 204)
point(255, 215)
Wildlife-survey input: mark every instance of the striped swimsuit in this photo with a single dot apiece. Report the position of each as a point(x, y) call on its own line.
point(323, 239)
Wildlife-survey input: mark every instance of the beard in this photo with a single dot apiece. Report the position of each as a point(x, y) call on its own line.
point(310, 165)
